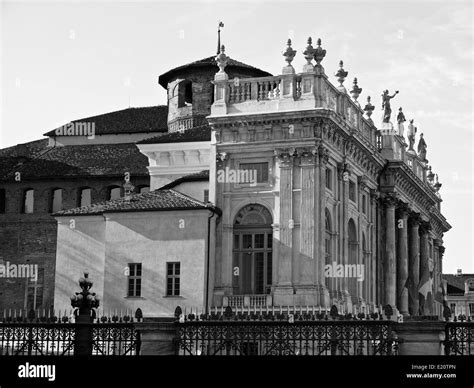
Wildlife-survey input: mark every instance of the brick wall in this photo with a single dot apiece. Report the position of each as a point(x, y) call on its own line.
point(203, 92)
point(31, 238)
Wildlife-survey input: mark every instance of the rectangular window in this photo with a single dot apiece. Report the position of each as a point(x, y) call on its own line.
point(85, 199)
point(259, 241)
point(206, 196)
point(28, 201)
point(2, 201)
point(364, 204)
point(471, 309)
point(56, 201)
point(34, 292)
point(257, 171)
point(452, 307)
point(329, 178)
point(173, 272)
point(135, 279)
point(352, 192)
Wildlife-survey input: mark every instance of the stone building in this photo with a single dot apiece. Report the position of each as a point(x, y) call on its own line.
point(460, 293)
point(85, 162)
point(332, 188)
point(63, 171)
point(314, 203)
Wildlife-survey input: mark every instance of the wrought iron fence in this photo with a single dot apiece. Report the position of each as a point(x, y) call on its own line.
point(459, 338)
point(36, 335)
point(284, 334)
point(31, 339)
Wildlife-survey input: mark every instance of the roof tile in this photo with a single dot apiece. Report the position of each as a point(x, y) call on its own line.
point(152, 201)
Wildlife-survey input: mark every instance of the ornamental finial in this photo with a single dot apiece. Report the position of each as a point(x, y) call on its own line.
point(341, 75)
point(355, 91)
point(222, 59)
point(319, 53)
point(369, 108)
point(309, 55)
point(289, 53)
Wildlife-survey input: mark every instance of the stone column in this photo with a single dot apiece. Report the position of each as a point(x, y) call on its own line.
point(344, 173)
point(305, 289)
point(390, 288)
point(323, 291)
point(440, 256)
point(224, 241)
point(436, 278)
point(425, 304)
point(284, 247)
point(413, 264)
point(402, 262)
point(373, 257)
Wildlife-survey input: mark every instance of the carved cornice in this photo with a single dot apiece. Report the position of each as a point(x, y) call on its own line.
point(327, 127)
point(417, 192)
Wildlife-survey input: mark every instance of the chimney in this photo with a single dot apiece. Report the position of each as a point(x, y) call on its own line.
point(21, 150)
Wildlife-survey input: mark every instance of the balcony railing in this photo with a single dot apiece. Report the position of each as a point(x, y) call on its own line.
point(242, 301)
point(289, 92)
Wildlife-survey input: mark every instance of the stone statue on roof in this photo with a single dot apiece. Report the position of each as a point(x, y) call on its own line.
point(411, 135)
point(422, 148)
point(387, 111)
point(400, 120)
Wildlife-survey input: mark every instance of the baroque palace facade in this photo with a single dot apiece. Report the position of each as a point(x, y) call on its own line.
point(339, 210)
point(334, 188)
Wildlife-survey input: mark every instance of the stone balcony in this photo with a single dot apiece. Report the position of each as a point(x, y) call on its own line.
point(240, 301)
point(291, 93)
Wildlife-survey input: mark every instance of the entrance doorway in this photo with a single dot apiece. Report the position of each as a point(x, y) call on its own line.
point(252, 251)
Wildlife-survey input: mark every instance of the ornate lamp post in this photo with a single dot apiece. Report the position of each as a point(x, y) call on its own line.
point(84, 302)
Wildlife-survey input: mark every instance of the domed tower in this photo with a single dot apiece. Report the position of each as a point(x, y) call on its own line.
point(191, 93)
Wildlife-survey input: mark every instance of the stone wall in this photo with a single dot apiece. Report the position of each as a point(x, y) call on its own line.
point(31, 238)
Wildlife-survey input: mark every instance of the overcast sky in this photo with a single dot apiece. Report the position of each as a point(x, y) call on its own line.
point(69, 60)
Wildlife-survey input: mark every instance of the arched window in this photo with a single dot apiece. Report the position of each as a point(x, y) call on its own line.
point(185, 93)
point(114, 192)
point(328, 248)
point(351, 270)
point(252, 251)
point(28, 201)
point(84, 197)
point(56, 201)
